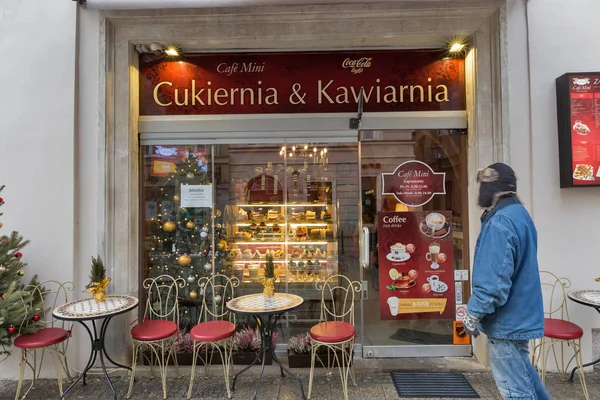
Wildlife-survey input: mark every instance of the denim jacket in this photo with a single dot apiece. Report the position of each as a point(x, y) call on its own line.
point(507, 295)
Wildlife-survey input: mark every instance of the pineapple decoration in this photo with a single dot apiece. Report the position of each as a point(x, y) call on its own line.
point(269, 279)
point(98, 280)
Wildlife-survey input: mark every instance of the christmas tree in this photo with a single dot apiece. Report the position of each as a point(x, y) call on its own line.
point(181, 244)
point(19, 309)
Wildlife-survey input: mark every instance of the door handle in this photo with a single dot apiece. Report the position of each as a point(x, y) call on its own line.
point(365, 248)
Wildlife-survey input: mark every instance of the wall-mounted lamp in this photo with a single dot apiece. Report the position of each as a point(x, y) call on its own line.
point(158, 50)
point(456, 47)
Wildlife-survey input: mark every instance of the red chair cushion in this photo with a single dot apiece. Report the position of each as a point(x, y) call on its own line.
point(212, 331)
point(332, 331)
point(42, 338)
point(153, 329)
point(561, 329)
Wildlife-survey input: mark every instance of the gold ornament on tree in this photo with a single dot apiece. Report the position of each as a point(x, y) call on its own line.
point(98, 280)
point(268, 281)
point(190, 225)
point(193, 294)
point(184, 260)
point(169, 226)
point(20, 272)
point(176, 198)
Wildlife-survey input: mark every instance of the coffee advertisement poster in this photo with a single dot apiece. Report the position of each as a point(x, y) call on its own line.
point(416, 273)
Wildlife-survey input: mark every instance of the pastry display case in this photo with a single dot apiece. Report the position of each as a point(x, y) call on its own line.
point(301, 237)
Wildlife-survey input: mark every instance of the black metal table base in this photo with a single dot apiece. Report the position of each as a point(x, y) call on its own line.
point(584, 365)
point(266, 329)
point(97, 349)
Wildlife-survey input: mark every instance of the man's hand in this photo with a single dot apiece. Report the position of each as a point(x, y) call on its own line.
point(470, 323)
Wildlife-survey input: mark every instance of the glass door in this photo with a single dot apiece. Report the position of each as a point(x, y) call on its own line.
point(414, 208)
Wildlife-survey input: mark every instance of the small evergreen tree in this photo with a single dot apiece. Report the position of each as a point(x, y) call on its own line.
point(19, 310)
point(269, 266)
point(98, 272)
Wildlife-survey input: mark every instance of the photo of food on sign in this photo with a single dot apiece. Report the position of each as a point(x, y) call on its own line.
point(416, 271)
point(581, 128)
point(402, 280)
point(399, 252)
point(584, 172)
point(434, 225)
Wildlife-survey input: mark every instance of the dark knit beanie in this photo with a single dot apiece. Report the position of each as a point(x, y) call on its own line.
point(495, 181)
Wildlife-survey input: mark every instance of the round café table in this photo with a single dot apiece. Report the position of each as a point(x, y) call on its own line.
point(266, 311)
point(88, 310)
point(589, 298)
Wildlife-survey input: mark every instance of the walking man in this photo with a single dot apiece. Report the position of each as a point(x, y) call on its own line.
point(506, 303)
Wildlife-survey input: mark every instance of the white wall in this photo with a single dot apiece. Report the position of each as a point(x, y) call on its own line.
point(37, 69)
point(563, 38)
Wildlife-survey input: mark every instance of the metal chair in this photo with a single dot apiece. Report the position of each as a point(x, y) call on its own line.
point(216, 326)
point(336, 330)
point(558, 331)
point(53, 335)
point(154, 337)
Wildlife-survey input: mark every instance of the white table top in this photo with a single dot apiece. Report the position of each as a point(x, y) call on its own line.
point(259, 304)
point(586, 297)
point(87, 309)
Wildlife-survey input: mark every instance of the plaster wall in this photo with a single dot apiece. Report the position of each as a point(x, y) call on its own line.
point(562, 39)
point(37, 136)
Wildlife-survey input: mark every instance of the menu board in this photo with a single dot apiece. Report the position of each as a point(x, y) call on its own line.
point(578, 109)
point(416, 273)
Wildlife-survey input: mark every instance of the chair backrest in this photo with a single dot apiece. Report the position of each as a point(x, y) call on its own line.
point(337, 298)
point(45, 297)
point(216, 291)
point(162, 293)
point(555, 295)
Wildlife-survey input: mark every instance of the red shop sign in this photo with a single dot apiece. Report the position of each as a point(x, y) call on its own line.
point(315, 82)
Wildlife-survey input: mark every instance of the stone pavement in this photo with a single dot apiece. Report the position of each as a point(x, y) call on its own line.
point(372, 385)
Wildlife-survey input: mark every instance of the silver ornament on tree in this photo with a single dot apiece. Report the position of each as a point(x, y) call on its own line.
point(190, 175)
point(217, 299)
point(191, 278)
point(208, 267)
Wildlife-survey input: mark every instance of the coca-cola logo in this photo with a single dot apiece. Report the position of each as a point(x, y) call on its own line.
point(357, 65)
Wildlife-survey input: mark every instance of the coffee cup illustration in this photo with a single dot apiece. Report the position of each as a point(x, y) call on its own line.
point(394, 303)
point(434, 252)
point(398, 250)
point(437, 285)
point(435, 221)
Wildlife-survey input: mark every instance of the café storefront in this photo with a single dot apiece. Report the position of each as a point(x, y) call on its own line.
point(239, 160)
point(341, 159)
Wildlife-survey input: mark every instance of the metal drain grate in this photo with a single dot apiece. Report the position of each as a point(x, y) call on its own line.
point(433, 384)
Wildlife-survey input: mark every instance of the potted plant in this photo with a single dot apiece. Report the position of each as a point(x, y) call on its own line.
point(246, 346)
point(299, 353)
point(98, 280)
point(269, 280)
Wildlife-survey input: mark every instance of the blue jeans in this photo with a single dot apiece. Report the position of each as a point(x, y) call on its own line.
point(514, 375)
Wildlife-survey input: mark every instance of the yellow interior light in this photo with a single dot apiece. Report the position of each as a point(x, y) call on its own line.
point(456, 47)
point(172, 51)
